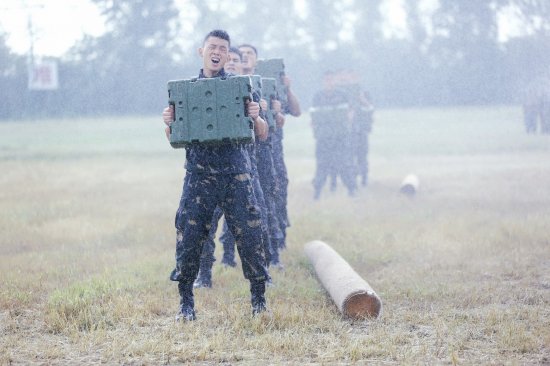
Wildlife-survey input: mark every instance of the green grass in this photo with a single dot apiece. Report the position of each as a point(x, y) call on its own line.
point(463, 268)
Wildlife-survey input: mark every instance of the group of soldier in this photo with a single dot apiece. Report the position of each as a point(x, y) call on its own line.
point(342, 117)
point(245, 182)
point(536, 106)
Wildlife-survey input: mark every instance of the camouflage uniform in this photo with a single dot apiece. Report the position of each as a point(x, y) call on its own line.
point(280, 193)
point(207, 256)
point(268, 176)
point(219, 175)
point(227, 238)
point(264, 187)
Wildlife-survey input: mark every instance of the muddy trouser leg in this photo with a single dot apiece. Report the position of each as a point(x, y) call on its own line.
point(243, 218)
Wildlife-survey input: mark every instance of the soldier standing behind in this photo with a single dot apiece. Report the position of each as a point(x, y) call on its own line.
point(536, 105)
point(218, 175)
point(545, 106)
point(531, 106)
point(331, 124)
point(292, 107)
point(362, 119)
point(266, 166)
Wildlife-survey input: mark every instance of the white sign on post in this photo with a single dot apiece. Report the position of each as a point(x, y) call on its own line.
point(43, 75)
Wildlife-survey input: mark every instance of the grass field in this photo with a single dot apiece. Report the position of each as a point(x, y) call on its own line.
point(463, 269)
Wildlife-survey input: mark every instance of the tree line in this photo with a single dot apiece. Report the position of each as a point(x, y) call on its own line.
point(450, 54)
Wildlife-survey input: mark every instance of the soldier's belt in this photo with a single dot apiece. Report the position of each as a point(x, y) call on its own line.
point(210, 111)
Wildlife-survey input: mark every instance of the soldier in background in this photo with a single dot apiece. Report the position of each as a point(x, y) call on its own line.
point(362, 119)
point(292, 107)
point(332, 128)
point(531, 106)
point(536, 105)
point(266, 165)
point(545, 106)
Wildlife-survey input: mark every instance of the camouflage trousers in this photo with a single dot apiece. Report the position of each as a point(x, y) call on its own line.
point(227, 238)
point(235, 196)
point(281, 177)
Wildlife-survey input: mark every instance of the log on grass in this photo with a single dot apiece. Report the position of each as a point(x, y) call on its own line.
point(353, 296)
point(409, 186)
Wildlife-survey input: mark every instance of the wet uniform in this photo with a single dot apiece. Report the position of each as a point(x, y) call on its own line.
point(218, 175)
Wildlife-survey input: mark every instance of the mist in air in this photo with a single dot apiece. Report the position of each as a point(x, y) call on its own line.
point(404, 53)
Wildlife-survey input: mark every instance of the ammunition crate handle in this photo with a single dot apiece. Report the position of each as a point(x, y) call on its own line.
point(246, 101)
point(173, 107)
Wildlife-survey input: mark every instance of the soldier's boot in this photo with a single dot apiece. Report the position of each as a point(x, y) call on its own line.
point(187, 303)
point(257, 291)
point(204, 278)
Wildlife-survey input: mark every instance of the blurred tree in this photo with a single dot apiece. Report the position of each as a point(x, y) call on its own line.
point(126, 68)
point(13, 81)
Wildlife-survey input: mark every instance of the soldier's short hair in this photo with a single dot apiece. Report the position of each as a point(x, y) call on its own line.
point(218, 33)
point(249, 45)
point(237, 51)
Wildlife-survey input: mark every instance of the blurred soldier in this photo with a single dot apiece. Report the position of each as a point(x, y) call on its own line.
point(218, 175)
point(536, 105)
point(362, 119)
point(266, 167)
point(331, 122)
point(545, 106)
point(531, 106)
point(292, 107)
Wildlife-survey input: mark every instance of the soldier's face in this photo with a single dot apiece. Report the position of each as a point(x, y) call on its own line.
point(249, 57)
point(214, 55)
point(233, 64)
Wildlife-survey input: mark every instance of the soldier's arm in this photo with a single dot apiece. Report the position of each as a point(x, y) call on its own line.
point(168, 117)
point(260, 125)
point(279, 116)
point(293, 103)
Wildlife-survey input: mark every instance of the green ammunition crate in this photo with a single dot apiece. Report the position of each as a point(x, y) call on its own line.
point(274, 68)
point(269, 93)
point(331, 121)
point(210, 111)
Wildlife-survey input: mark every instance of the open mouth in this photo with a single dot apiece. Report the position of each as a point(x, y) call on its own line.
point(215, 60)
